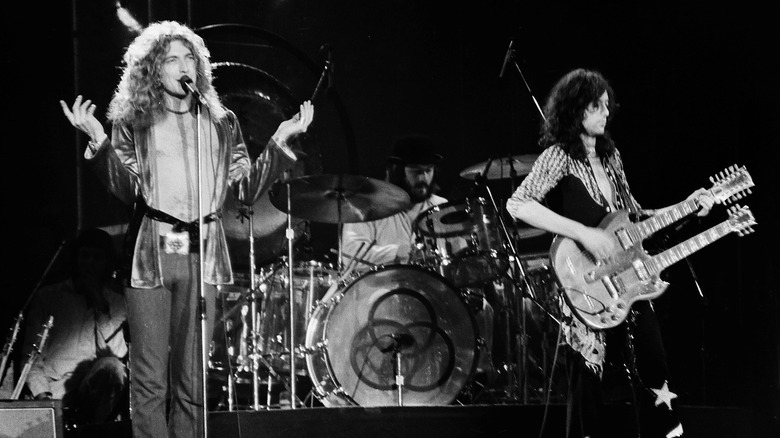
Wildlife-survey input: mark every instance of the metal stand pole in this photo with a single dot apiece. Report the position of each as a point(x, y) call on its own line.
point(525, 291)
point(290, 234)
point(399, 377)
point(254, 310)
point(204, 341)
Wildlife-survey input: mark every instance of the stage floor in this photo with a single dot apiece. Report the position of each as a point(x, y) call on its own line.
point(516, 421)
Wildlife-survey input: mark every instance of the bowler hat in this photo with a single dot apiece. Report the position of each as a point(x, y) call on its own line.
point(414, 149)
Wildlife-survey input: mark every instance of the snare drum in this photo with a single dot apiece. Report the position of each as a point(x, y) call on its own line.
point(462, 242)
point(355, 333)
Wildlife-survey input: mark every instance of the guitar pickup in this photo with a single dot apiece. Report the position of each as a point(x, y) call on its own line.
point(640, 269)
point(610, 285)
point(624, 238)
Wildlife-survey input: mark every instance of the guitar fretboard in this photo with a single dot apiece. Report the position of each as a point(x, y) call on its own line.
point(661, 261)
point(646, 228)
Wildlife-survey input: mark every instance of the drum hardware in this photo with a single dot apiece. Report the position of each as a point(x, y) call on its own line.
point(517, 384)
point(462, 242)
point(357, 259)
point(398, 341)
point(351, 327)
point(501, 168)
point(334, 199)
point(340, 198)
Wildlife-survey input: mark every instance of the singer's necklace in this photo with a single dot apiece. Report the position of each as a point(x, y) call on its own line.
point(178, 112)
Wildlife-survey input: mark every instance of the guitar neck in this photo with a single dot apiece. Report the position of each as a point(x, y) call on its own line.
point(729, 186)
point(31, 359)
point(646, 228)
point(663, 260)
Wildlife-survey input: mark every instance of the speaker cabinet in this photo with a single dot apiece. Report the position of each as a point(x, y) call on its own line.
point(28, 419)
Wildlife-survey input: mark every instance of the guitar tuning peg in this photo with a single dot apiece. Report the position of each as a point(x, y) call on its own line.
point(712, 180)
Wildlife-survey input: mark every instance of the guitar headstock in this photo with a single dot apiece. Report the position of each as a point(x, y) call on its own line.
point(731, 184)
point(741, 220)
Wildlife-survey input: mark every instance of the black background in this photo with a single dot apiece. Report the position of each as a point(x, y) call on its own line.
point(696, 84)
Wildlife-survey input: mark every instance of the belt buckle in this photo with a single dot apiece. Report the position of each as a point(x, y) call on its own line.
point(177, 242)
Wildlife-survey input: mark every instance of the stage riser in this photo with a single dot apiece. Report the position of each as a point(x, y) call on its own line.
point(504, 421)
point(453, 422)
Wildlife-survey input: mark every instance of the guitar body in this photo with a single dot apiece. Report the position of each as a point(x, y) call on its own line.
point(602, 294)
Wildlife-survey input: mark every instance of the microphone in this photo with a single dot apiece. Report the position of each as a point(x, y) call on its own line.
point(329, 66)
point(403, 339)
point(479, 179)
point(507, 57)
point(188, 86)
point(399, 341)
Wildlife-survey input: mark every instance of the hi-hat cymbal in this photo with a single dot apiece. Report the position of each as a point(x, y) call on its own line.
point(339, 199)
point(501, 168)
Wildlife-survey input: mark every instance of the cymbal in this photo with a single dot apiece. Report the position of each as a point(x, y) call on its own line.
point(501, 168)
point(338, 199)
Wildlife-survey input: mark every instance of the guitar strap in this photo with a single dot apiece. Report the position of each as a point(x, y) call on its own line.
point(624, 196)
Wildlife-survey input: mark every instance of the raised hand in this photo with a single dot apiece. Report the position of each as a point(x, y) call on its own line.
point(296, 125)
point(82, 116)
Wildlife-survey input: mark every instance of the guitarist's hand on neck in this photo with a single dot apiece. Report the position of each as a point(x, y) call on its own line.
point(704, 199)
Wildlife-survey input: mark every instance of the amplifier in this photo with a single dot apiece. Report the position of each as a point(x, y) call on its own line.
point(31, 418)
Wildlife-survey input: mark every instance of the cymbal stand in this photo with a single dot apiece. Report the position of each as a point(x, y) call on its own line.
point(253, 287)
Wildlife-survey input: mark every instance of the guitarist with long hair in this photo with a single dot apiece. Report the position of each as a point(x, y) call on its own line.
point(577, 180)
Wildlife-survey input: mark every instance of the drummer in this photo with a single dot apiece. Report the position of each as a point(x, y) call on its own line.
point(412, 166)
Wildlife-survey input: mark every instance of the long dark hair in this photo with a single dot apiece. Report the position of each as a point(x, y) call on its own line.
point(564, 111)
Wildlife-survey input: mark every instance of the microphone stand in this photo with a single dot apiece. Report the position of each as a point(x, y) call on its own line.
point(703, 331)
point(201, 256)
point(399, 377)
point(511, 56)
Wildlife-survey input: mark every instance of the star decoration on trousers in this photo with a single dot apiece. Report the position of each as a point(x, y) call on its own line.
point(663, 395)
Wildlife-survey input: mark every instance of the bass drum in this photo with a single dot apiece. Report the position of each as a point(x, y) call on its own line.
point(354, 334)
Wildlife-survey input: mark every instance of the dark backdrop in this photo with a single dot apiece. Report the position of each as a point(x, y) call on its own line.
point(697, 87)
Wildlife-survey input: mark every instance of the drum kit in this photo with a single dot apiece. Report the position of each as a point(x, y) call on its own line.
point(449, 327)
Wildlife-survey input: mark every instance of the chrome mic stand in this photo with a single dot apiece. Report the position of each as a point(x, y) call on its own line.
point(204, 342)
point(522, 360)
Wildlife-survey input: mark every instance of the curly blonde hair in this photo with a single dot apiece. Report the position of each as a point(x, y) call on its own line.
point(138, 98)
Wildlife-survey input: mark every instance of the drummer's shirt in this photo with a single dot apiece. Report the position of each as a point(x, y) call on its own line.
point(394, 236)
